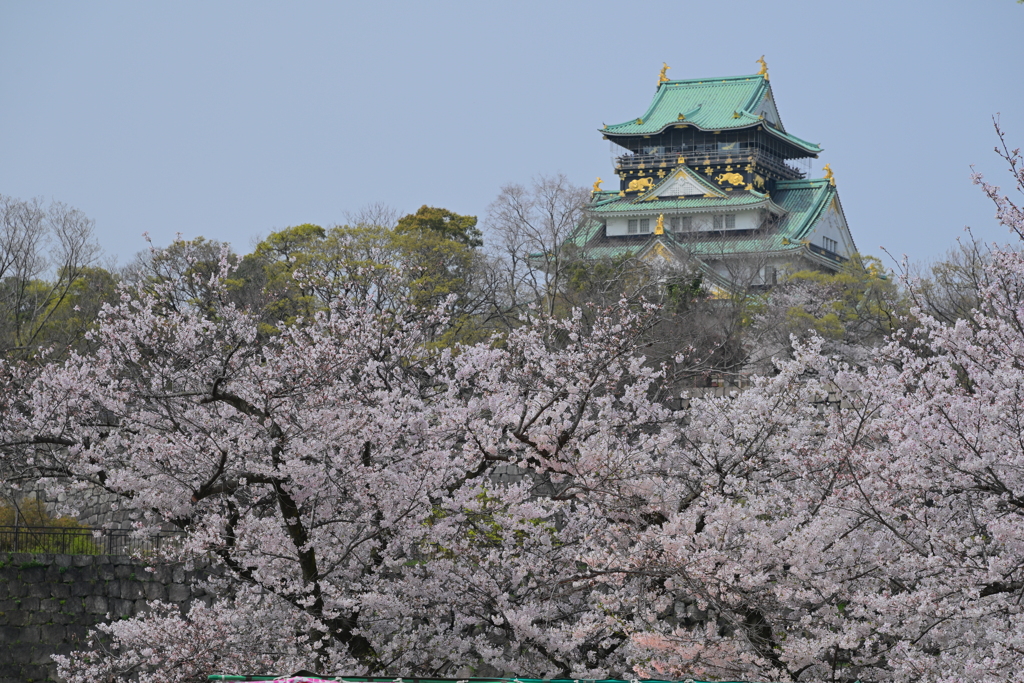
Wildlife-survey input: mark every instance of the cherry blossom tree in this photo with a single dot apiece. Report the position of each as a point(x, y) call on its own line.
point(341, 473)
point(876, 539)
point(831, 523)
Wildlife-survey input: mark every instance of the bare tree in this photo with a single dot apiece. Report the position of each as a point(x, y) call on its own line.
point(377, 213)
point(952, 288)
point(44, 252)
point(530, 226)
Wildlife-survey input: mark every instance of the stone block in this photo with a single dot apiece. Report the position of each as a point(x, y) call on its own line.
point(83, 588)
point(30, 604)
point(63, 618)
point(53, 633)
point(121, 559)
point(122, 608)
point(17, 617)
point(131, 590)
point(83, 560)
point(9, 633)
point(96, 604)
point(155, 591)
point(21, 653)
point(178, 575)
point(34, 671)
point(17, 589)
point(73, 606)
point(161, 573)
point(40, 589)
point(178, 592)
point(62, 560)
point(29, 634)
point(49, 605)
point(73, 574)
point(61, 591)
point(106, 572)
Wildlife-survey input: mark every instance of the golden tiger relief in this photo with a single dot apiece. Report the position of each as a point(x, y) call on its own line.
point(731, 178)
point(640, 184)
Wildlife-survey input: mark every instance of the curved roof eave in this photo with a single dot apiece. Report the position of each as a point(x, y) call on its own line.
point(812, 147)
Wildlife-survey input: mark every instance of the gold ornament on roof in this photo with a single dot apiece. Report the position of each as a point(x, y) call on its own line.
point(640, 185)
point(597, 186)
point(662, 78)
point(828, 175)
point(732, 178)
point(659, 226)
point(764, 68)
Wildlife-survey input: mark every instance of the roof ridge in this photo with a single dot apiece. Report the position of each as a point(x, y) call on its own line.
point(745, 77)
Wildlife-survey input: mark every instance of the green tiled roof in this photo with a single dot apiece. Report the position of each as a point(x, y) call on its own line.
point(633, 205)
point(800, 202)
point(708, 104)
point(804, 202)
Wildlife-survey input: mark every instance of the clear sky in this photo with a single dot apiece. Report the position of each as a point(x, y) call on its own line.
point(233, 119)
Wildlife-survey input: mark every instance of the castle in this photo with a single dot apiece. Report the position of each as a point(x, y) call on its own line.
point(709, 175)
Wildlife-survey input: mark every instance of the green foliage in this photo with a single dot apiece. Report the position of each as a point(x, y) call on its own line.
point(31, 515)
point(300, 270)
point(482, 526)
point(444, 223)
point(859, 303)
point(57, 313)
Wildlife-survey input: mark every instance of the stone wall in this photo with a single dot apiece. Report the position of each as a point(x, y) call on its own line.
point(96, 507)
point(48, 603)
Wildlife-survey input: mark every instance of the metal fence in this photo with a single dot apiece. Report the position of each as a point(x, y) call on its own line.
point(73, 541)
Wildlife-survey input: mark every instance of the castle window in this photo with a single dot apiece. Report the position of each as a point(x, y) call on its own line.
point(724, 221)
point(680, 223)
point(830, 244)
point(632, 226)
point(645, 226)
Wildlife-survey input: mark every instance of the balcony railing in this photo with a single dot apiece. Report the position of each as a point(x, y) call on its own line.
point(65, 541)
point(703, 156)
point(831, 255)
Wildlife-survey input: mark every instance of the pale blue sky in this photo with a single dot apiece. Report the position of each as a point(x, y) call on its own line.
point(232, 119)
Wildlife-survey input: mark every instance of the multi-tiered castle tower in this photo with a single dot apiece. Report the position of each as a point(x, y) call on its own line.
point(709, 172)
